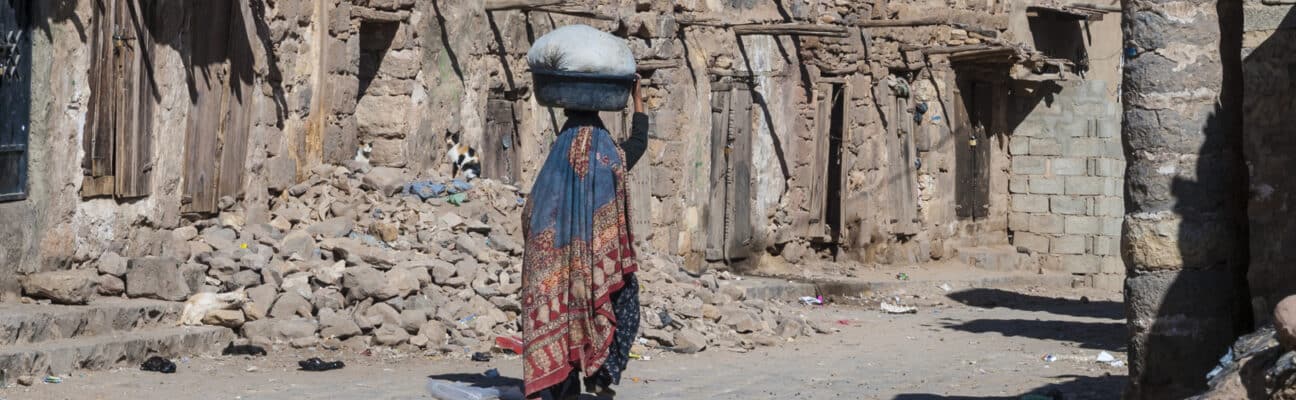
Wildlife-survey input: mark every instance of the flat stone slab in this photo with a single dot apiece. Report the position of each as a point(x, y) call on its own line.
point(27, 323)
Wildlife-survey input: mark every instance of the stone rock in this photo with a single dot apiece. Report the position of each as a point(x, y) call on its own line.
point(62, 287)
point(337, 325)
point(364, 282)
point(790, 327)
point(328, 274)
point(297, 242)
point(400, 283)
point(450, 220)
point(388, 181)
point(442, 272)
point(435, 332)
point(1285, 322)
point(108, 285)
point(412, 320)
point(112, 264)
point(291, 304)
point(262, 298)
point(385, 231)
point(711, 312)
point(689, 308)
point(470, 245)
point(740, 320)
point(391, 335)
point(689, 341)
point(26, 380)
point(232, 319)
point(269, 331)
point(280, 173)
point(665, 338)
point(332, 227)
point(507, 304)
point(156, 278)
point(383, 314)
point(298, 283)
point(327, 297)
point(247, 278)
point(466, 270)
point(503, 243)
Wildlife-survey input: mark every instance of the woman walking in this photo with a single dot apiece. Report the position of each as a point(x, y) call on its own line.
point(580, 299)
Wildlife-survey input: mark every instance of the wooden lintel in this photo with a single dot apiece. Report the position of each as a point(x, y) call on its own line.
point(699, 21)
point(653, 65)
point(955, 49)
point(792, 29)
point(502, 5)
point(576, 12)
point(369, 14)
point(881, 23)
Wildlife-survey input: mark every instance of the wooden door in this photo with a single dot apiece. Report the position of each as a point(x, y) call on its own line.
point(119, 140)
point(15, 99)
point(220, 73)
point(500, 157)
point(729, 226)
point(974, 112)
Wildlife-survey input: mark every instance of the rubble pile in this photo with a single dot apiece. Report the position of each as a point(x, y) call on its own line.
point(356, 256)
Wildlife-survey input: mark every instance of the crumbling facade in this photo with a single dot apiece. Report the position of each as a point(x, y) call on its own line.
point(873, 132)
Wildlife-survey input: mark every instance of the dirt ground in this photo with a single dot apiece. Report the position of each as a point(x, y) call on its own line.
point(975, 344)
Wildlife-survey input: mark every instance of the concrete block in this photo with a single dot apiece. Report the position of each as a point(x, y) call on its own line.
point(1086, 185)
point(1106, 167)
point(1109, 281)
point(1067, 244)
point(1108, 128)
point(1106, 246)
point(1030, 241)
point(1112, 226)
point(1088, 147)
point(1112, 264)
point(1068, 205)
point(1040, 185)
point(1045, 147)
point(1029, 165)
point(1083, 225)
point(1109, 207)
point(1068, 166)
point(1030, 203)
point(1081, 263)
point(1075, 129)
point(1046, 223)
point(1019, 146)
point(1019, 221)
point(1018, 184)
point(1113, 186)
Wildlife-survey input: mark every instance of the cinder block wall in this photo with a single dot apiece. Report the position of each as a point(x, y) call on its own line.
point(1066, 180)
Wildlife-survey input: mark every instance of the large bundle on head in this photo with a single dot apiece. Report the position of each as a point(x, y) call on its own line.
point(582, 68)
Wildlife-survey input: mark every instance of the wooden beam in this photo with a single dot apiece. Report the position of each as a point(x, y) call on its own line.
point(691, 20)
point(792, 29)
point(502, 5)
point(881, 23)
point(369, 14)
point(576, 12)
point(947, 49)
point(653, 65)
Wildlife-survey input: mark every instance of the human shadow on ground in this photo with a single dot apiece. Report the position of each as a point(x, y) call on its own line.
point(992, 298)
point(1088, 335)
point(1076, 388)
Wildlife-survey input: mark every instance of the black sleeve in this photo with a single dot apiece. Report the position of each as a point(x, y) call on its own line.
point(637, 144)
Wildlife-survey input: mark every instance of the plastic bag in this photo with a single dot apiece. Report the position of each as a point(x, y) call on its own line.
point(581, 48)
point(447, 390)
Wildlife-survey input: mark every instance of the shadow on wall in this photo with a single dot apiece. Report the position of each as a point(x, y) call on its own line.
point(1185, 312)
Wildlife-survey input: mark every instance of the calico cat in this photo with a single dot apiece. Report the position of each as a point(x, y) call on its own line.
point(462, 157)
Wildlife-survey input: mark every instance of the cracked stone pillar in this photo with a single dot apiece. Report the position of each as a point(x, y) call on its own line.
point(1185, 238)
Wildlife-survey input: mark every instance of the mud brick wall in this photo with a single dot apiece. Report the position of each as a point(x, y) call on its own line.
point(1067, 180)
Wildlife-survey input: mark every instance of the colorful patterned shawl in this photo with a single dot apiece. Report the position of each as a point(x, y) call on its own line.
point(578, 248)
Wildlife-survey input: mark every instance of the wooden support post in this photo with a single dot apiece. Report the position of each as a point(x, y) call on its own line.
point(792, 29)
point(502, 5)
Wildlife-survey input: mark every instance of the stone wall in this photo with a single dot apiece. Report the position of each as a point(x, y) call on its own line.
point(1067, 180)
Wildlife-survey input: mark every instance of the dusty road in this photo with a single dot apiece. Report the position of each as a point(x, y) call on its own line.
point(980, 344)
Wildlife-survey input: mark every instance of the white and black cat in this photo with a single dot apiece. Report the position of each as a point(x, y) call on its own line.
point(462, 157)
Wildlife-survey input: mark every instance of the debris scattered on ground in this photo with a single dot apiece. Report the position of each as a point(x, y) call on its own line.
point(808, 300)
point(53, 379)
point(26, 380)
point(317, 365)
point(946, 287)
point(491, 373)
point(510, 344)
point(158, 364)
point(1050, 358)
point(481, 357)
point(898, 309)
point(447, 390)
point(244, 350)
point(902, 276)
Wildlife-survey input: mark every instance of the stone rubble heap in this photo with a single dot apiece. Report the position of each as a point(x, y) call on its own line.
point(351, 258)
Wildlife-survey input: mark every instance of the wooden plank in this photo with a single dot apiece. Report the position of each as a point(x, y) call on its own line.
point(98, 139)
point(653, 65)
point(792, 29)
point(817, 190)
point(740, 127)
point(134, 137)
point(208, 27)
point(502, 5)
point(241, 97)
point(923, 21)
point(716, 210)
point(370, 14)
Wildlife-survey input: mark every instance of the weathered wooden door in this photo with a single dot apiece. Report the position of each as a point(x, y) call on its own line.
point(729, 227)
point(903, 180)
point(119, 138)
point(826, 181)
point(974, 106)
point(221, 100)
point(500, 157)
point(15, 98)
